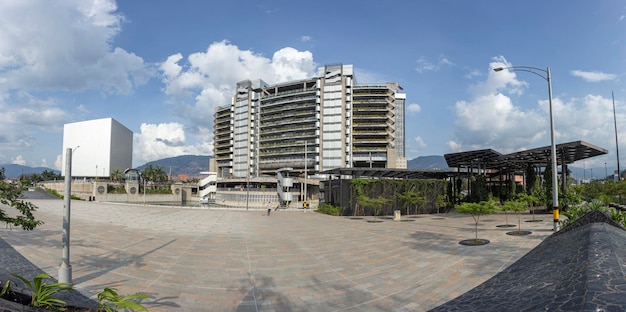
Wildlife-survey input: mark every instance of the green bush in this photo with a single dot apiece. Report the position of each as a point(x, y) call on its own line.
point(159, 191)
point(110, 301)
point(54, 192)
point(329, 209)
point(42, 293)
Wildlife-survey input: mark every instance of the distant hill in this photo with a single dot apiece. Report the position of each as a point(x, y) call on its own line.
point(428, 162)
point(15, 171)
point(191, 165)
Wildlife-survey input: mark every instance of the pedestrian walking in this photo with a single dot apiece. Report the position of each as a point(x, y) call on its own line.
point(269, 208)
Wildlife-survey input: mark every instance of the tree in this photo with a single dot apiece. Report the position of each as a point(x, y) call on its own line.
point(117, 175)
point(547, 178)
point(517, 206)
point(531, 178)
point(412, 198)
point(476, 210)
point(374, 203)
point(11, 195)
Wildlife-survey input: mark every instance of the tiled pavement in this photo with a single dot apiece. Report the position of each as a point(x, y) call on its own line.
point(237, 260)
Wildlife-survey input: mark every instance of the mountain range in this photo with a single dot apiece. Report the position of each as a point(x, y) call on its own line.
point(192, 165)
point(15, 171)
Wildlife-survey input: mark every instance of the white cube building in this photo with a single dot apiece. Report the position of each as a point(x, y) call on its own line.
point(99, 147)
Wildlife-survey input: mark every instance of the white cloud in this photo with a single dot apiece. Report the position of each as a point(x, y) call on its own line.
point(58, 162)
point(305, 38)
point(491, 118)
point(156, 141)
point(473, 73)
point(49, 49)
point(205, 80)
point(454, 147)
point(424, 65)
point(414, 108)
point(593, 76)
point(47, 52)
point(18, 160)
point(420, 142)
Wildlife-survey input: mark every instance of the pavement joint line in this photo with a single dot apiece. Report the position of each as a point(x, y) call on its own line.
point(256, 307)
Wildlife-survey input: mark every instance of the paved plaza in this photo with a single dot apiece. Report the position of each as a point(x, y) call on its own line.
point(238, 260)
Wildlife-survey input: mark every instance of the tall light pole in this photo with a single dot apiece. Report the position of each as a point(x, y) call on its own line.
point(555, 190)
point(619, 173)
point(65, 270)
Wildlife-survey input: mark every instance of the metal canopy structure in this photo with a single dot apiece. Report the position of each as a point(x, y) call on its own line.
point(567, 153)
point(389, 173)
point(487, 157)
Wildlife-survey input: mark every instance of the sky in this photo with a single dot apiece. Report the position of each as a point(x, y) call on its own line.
point(162, 67)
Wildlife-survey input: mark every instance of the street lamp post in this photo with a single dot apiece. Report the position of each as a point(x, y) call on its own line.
point(555, 191)
point(65, 269)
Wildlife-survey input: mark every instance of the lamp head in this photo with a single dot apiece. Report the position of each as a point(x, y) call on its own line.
point(498, 69)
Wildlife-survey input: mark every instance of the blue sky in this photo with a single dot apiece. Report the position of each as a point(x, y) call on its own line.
point(161, 67)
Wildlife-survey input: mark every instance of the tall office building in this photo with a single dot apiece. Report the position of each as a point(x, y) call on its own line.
point(310, 125)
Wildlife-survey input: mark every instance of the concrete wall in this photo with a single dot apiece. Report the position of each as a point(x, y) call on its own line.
point(98, 191)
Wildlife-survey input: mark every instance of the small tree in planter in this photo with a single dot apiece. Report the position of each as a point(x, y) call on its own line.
point(531, 201)
point(374, 203)
point(476, 210)
point(506, 208)
point(412, 198)
point(517, 206)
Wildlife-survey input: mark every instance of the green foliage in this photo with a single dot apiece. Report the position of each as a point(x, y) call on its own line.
point(159, 191)
point(6, 289)
point(618, 216)
point(370, 202)
point(117, 175)
point(11, 195)
point(116, 189)
point(531, 179)
point(479, 189)
point(477, 210)
point(54, 193)
point(383, 196)
point(154, 174)
point(517, 206)
point(574, 213)
point(571, 198)
point(109, 300)
point(547, 178)
point(33, 178)
point(42, 293)
point(412, 198)
point(530, 200)
point(329, 209)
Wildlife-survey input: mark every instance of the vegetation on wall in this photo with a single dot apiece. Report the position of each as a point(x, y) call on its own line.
point(370, 197)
